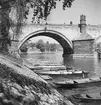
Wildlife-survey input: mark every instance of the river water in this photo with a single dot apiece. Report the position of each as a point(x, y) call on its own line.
point(91, 64)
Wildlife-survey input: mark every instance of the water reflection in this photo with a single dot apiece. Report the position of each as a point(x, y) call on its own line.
point(68, 61)
point(91, 64)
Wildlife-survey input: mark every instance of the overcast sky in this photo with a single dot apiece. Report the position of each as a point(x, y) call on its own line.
point(90, 8)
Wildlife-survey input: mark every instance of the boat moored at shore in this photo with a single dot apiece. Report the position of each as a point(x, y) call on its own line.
point(77, 83)
point(92, 98)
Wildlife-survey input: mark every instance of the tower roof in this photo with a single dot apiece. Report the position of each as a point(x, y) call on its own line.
point(83, 36)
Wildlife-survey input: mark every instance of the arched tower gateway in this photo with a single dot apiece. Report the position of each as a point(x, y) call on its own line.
point(83, 44)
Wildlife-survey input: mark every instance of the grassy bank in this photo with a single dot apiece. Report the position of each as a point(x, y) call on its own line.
point(21, 86)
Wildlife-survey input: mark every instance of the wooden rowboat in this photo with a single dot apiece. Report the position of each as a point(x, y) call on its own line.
point(49, 67)
point(63, 73)
point(86, 98)
point(78, 82)
point(46, 77)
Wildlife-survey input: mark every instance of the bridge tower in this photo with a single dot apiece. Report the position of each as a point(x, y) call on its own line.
point(83, 44)
point(82, 24)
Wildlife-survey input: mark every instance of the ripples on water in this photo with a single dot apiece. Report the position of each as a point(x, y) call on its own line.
point(91, 64)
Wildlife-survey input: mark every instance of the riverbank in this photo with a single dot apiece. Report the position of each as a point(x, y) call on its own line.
point(21, 86)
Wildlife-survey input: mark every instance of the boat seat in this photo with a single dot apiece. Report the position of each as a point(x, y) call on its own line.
point(69, 82)
point(82, 80)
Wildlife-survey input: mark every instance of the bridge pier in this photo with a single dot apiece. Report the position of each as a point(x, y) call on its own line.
point(65, 55)
point(67, 52)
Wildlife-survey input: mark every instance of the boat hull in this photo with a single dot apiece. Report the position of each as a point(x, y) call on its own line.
point(64, 74)
point(74, 84)
point(68, 75)
point(78, 85)
point(86, 99)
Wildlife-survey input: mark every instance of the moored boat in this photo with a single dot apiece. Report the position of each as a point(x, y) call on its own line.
point(46, 77)
point(49, 67)
point(63, 73)
point(71, 83)
point(86, 98)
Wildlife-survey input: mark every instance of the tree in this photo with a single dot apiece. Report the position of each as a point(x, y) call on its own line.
point(32, 45)
point(24, 47)
point(41, 10)
point(47, 46)
point(52, 47)
point(41, 45)
point(4, 27)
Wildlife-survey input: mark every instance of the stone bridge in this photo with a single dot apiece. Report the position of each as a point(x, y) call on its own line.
point(62, 33)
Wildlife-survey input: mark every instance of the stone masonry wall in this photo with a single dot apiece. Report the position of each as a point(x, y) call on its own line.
point(83, 46)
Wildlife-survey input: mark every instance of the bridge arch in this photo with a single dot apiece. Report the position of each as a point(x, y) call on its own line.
point(63, 40)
